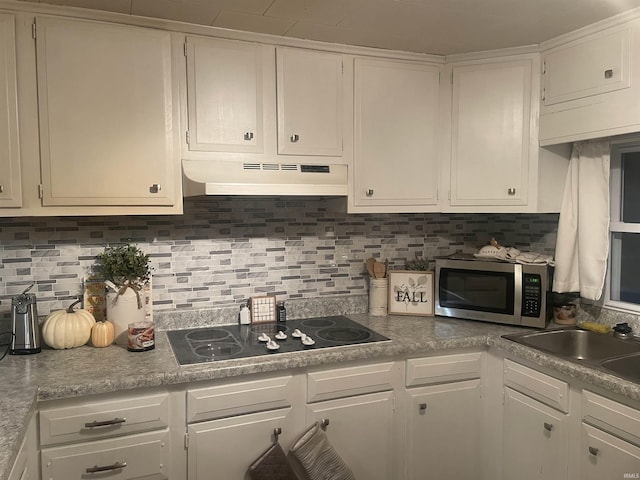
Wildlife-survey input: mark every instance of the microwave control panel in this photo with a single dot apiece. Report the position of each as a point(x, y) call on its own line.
point(531, 295)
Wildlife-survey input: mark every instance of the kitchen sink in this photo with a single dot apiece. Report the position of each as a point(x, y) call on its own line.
point(627, 366)
point(577, 344)
point(601, 351)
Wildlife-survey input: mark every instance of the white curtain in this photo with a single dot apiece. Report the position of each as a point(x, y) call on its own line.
point(582, 245)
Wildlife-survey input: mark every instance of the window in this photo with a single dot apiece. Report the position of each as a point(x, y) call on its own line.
point(623, 290)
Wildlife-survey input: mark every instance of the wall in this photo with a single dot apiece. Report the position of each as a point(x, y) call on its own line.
point(223, 250)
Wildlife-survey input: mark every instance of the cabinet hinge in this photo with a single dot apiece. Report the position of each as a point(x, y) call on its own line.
point(33, 30)
point(185, 49)
point(188, 137)
point(393, 401)
point(544, 94)
point(40, 191)
point(544, 67)
point(186, 441)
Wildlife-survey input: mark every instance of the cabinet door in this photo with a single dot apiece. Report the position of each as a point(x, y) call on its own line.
point(443, 433)
point(396, 133)
point(224, 95)
point(223, 449)
point(107, 114)
point(589, 66)
point(10, 186)
point(605, 456)
point(535, 439)
point(361, 430)
point(490, 136)
point(309, 102)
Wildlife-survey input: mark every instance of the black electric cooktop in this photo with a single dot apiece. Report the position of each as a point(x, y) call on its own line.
point(208, 344)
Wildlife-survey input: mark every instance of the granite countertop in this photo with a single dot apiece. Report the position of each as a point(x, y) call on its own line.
point(56, 374)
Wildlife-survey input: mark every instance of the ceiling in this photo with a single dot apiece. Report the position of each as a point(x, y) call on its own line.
point(430, 26)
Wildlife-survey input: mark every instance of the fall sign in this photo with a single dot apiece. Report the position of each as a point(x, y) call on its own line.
point(410, 293)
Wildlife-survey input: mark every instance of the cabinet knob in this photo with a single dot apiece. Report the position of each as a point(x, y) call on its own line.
point(155, 188)
point(324, 423)
point(248, 136)
point(294, 138)
point(422, 407)
point(511, 191)
point(369, 192)
point(277, 432)
point(593, 451)
point(548, 426)
point(608, 73)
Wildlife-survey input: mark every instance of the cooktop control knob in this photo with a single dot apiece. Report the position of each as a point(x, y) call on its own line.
point(297, 333)
point(306, 340)
point(271, 345)
point(281, 335)
point(263, 337)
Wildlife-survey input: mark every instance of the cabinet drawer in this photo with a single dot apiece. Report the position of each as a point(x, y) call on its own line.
point(540, 386)
point(345, 382)
point(443, 368)
point(611, 416)
point(80, 420)
point(239, 398)
point(142, 455)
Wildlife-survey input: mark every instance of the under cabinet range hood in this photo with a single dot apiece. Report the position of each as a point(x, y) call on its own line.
point(223, 177)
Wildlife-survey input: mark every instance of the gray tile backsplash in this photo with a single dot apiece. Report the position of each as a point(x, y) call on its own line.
point(223, 250)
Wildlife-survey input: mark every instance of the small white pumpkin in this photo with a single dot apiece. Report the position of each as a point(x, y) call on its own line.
point(68, 328)
point(102, 334)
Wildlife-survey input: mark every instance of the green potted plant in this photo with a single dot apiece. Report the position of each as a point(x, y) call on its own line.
point(126, 271)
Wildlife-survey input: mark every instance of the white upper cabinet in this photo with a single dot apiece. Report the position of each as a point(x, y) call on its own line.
point(309, 96)
point(395, 165)
point(491, 144)
point(10, 180)
point(587, 67)
point(107, 114)
point(590, 85)
point(225, 95)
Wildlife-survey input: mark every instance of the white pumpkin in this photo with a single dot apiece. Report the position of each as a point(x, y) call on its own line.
point(68, 328)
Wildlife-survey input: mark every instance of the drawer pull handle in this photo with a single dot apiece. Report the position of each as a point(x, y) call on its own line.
point(548, 426)
point(593, 451)
point(106, 468)
point(155, 188)
point(294, 138)
point(248, 136)
point(105, 423)
point(608, 73)
point(369, 192)
point(324, 423)
point(423, 407)
point(277, 432)
point(511, 191)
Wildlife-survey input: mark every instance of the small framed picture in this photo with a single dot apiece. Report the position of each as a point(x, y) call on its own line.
point(410, 293)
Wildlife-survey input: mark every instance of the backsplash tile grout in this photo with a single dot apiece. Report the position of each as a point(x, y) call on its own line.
point(223, 250)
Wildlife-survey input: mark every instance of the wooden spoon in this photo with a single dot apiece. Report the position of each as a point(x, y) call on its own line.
point(370, 262)
point(379, 270)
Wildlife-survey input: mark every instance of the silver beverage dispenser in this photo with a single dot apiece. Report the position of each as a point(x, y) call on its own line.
point(24, 322)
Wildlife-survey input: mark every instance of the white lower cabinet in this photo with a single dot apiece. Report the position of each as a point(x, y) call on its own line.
point(535, 439)
point(535, 424)
point(360, 429)
point(443, 407)
point(116, 436)
point(25, 466)
point(231, 423)
point(610, 439)
point(443, 431)
point(356, 408)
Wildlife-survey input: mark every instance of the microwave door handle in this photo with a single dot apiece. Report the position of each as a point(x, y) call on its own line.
point(517, 287)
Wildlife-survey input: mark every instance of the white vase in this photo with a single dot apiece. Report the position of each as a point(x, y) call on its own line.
point(123, 310)
point(378, 296)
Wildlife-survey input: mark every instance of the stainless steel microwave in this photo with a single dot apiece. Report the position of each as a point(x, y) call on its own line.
point(494, 291)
